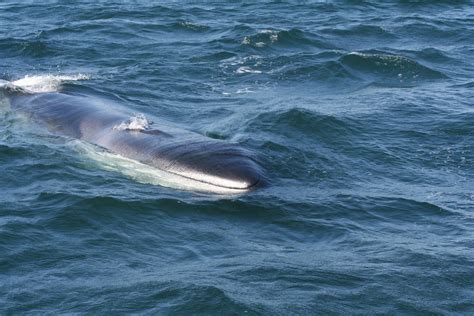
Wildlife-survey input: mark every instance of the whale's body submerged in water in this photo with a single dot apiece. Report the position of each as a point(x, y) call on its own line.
point(206, 163)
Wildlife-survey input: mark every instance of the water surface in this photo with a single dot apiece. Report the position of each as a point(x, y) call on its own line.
point(361, 113)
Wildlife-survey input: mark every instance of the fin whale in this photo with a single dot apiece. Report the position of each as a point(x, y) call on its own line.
point(215, 164)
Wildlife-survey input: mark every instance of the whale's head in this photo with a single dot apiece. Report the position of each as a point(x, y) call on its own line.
point(222, 165)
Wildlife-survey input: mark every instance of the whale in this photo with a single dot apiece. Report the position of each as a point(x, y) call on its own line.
point(208, 164)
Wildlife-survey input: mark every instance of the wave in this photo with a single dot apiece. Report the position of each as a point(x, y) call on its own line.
point(433, 55)
point(214, 57)
point(427, 29)
point(347, 71)
point(361, 31)
point(284, 38)
point(412, 3)
point(33, 47)
point(306, 122)
point(456, 125)
point(114, 13)
point(468, 85)
point(10, 152)
point(189, 26)
point(327, 71)
point(402, 209)
point(385, 68)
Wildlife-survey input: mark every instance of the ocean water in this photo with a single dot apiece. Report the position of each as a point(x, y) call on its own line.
point(361, 113)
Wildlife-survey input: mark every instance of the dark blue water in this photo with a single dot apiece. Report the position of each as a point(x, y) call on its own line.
point(361, 112)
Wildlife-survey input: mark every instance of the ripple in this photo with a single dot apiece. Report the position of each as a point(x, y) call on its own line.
point(189, 26)
point(429, 30)
point(219, 56)
point(362, 31)
point(434, 55)
point(391, 69)
point(324, 72)
point(369, 159)
point(314, 157)
point(26, 47)
point(292, 38)
point(10, 153)
point(307, 123)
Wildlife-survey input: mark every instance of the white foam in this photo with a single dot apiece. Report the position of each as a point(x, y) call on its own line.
point(244, 70)
point(246, 41)
point(273, 34)
point(137, 122)
point(3, 83)
point(245, 90)
point(46, 83)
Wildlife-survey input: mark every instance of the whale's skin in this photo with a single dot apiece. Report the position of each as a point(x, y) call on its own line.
point(180, 152)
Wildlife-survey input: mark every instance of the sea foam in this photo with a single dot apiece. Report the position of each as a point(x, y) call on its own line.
point(46, 83)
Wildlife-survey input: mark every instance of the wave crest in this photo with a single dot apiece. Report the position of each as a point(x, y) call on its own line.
point(47, 83)
point(387, 67)
point(291, 38)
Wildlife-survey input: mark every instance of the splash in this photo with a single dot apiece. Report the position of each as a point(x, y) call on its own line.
point(137, 122)
point(3, 83)
point(262, 38)
point(244, 70)
point(46, 83)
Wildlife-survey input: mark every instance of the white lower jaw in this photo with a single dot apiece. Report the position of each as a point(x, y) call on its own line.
point(146, 174)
